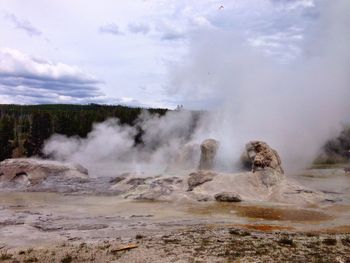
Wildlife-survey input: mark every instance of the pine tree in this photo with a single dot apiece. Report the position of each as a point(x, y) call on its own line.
point(40, 130)
point(6, 137)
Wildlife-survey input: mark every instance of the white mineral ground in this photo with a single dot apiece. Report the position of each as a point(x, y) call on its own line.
point(43, 203)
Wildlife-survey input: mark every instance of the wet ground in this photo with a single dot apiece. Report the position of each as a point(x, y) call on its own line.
point(47, 221)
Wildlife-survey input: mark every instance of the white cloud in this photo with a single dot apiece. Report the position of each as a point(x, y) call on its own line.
point(41, 80)
point(139, 28)
point(111, 28)
point(282, 45)
point(13, 62)
point(155, 33)
point(23, 25)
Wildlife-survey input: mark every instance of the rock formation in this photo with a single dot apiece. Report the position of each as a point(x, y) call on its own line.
point(227, 197)
point(262, 156)
point(33, 171)
point(198, 178)
point(209, 148)
point(149, 188)
point(266, 183)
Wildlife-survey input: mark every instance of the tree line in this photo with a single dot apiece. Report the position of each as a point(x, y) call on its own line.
point(24, 128)
point(337, 150)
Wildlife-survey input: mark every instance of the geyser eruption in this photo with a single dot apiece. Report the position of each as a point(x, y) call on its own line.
point(110, 147)
point(294, 102)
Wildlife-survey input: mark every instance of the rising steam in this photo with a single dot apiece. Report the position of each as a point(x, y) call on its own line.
point(295, 105)
point(110, 148)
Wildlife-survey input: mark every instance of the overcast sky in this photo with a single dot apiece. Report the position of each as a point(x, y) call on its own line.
point(123, 52)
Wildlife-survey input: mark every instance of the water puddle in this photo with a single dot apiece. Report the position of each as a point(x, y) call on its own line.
point(264, 212)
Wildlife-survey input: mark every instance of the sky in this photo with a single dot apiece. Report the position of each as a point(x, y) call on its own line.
point(128, 52)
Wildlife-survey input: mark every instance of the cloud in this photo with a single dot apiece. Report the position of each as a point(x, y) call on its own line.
point(274, 27)
point(163, 28)
point(169, 31)
point(35, 80)
point(111, 28)
point(24, 25)
point(294, 4)
point(139, 28)
point(182, 18)
point(173, 36)
point(282, 45)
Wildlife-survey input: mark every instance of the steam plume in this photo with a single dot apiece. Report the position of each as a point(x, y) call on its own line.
point(110, 149)
point(293, 104)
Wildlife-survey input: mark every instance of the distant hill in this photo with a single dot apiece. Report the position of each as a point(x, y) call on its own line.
point(24, 128)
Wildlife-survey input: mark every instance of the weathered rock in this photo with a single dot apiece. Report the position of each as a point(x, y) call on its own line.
point(198, 178)
point(155, 193)
point(203, 185)
point(81, 169)
point(262, 156)
point(227, 197)
point(135, 182)
point(160, 188)
point(209, 148)
point(270, 177)
point(149, 188)
point(33, 171)
point(117, 179)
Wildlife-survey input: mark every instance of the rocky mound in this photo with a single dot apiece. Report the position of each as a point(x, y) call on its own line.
point(265, 161)
point(266, 181)
point(211, 186)
point(29, 172)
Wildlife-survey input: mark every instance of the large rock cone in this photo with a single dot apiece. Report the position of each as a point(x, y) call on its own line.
point(266, 161)
point(262, 156)
point(209, 148)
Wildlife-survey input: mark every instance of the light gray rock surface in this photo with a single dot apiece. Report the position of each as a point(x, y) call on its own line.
point(198, 178)
point(33, 175)
point(36, 170)
point(209, 149)
point(41, 175)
